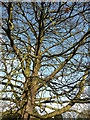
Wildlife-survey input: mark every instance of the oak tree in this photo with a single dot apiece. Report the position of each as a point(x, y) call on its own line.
point(44, 52)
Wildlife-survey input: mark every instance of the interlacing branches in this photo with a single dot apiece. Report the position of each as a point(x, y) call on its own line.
point(44, 57)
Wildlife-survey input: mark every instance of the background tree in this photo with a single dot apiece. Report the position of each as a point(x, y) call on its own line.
point(44, 56)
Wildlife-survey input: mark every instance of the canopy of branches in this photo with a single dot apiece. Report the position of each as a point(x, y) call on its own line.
point(44, 56)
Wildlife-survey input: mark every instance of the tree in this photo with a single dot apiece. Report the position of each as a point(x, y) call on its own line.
point(44, 56)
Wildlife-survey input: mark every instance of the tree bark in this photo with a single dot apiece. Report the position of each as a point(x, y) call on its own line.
point(31, 88)
point(29, 106)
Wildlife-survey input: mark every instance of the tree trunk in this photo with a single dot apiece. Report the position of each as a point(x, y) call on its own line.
point(29, 106)
point(30, 87)
point(29, 109)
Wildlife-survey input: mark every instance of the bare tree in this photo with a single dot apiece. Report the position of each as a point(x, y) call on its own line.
point(44, 56)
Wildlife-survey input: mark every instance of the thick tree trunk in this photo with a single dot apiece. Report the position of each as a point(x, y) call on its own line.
point(28, 109)
point(29, 106)
point(29, 98)
point(30, 87)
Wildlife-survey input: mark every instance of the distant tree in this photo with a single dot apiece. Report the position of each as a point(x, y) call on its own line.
point(85, 114)
point(44, 56)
